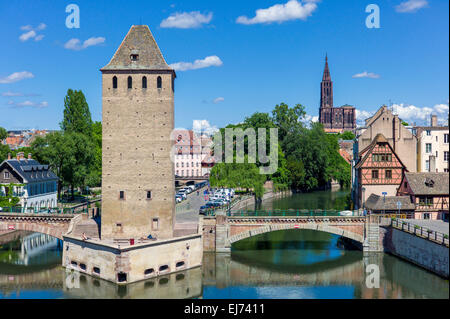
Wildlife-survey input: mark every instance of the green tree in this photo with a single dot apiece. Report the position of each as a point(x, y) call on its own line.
point(4, 149)
point(347, 135)
point(3, 134)
point(287, 119)
point(54, 150)
point(95, 175)
point(77, 117)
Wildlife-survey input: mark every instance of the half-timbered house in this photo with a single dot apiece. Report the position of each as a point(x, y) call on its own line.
point(429, 193)
point(380, 170)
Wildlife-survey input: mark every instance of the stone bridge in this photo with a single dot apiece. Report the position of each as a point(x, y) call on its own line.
point(55, 225)
point(220, 232)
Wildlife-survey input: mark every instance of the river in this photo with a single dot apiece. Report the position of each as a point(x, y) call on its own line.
point(285, 264)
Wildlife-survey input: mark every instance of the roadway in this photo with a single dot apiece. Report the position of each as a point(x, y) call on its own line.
point(187, 210)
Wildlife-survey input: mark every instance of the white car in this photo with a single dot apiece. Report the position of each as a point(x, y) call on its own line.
point(346, 213)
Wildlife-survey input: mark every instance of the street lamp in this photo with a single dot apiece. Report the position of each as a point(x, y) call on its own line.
point(363, 198)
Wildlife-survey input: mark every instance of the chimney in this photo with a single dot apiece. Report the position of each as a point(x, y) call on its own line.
point(434, 121)
point(9, 156)
point(20, 155)
point(29, 156)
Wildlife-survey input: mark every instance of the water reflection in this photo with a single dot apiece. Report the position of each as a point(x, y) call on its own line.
point(286, 265)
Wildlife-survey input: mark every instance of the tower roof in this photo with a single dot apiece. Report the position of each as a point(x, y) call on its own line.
point(326, 72)
point(140, 44)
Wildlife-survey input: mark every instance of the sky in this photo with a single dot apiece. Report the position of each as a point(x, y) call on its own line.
point(232, 58)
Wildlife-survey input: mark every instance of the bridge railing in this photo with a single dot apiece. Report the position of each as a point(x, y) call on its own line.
point(291, 213)
point(421, 231)
point(34, 210)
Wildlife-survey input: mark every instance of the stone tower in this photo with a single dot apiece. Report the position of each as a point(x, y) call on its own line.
point(138, 185)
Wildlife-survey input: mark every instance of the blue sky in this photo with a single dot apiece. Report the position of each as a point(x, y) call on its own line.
point(256, 59)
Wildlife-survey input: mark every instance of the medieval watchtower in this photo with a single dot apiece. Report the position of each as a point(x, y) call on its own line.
point(138, 118)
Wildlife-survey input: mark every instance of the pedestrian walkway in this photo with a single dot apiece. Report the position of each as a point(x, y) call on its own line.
point(434, 225)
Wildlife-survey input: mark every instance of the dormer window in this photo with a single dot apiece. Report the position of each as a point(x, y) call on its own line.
point(134, 57)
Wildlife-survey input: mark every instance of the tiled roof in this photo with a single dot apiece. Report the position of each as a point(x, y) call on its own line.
point(428, 183)
point(31, 170)
point(139, 41)
point(376, 202)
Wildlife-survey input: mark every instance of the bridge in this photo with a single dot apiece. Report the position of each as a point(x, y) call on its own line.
point(222, 230)
point(53, 224)
point(189, 180)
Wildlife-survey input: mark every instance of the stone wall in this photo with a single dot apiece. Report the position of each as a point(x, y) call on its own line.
point(137, 262)
point(420, 251)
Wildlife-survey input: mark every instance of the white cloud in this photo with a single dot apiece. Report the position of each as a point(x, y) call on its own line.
point(27, 35)
point(32, 32)
point(362, 115)
point(292, 10)
point(411, 114)
point(29, 103)
point(14, 94)
point(411, 6)
point(309, 118)
point(218, 100)
point(203, 126)
point(420, 115)
point(197, 64)
point(41, 26)
point(75, 44)
point(26, 27)
point(16, 76)
point(366, 74)
point(186, 20)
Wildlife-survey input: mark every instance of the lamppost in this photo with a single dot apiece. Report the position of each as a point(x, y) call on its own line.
point(363, 190)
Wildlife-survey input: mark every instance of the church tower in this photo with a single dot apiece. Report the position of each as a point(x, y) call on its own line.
point(138, 185)
point(326, 97)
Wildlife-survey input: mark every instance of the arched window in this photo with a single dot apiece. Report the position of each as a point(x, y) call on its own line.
point(130, 82)
point(144, 82)
point(115, 82)
point(159, 82)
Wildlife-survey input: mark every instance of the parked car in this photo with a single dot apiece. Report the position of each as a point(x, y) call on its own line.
point(178, 199)
point(183, 195)
point(346, 213)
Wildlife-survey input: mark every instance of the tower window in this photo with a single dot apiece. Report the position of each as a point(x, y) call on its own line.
point(134, 57)
point(115, 82)
point(149, 194)
point(130, 82)
point(159, 82)
point(144, 82)
point(121, 195)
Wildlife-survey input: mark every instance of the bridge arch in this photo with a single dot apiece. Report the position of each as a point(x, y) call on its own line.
point(56, 232)
point(336, 230)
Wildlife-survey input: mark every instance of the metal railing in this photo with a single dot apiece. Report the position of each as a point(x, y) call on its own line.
point(34, 210)
point(421, 231)
point(291, 213)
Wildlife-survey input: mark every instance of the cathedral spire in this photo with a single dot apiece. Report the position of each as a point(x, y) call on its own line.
point(326, 72)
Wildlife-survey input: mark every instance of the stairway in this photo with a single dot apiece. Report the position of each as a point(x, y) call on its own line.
point(372, 240)
point(89, 227)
